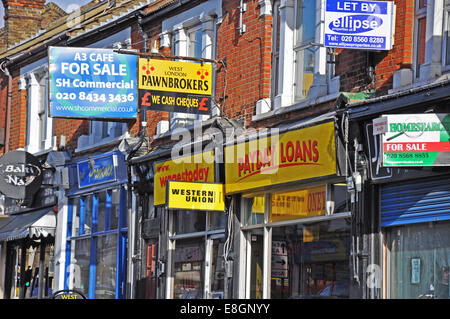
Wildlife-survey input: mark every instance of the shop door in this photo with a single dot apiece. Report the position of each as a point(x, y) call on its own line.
point(151, 275)
point(215, 268)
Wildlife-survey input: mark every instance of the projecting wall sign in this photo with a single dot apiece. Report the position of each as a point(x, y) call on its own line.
point(367, 25)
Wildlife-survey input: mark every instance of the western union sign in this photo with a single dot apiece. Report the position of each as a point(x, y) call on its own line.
point(195, 196)
point(174, 86)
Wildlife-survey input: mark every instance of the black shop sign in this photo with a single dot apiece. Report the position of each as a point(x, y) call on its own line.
point(21, 175)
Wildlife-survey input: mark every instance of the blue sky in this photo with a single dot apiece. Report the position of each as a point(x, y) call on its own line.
point(63, 4)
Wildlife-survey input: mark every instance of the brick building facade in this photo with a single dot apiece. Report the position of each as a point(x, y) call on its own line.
point(273, 73)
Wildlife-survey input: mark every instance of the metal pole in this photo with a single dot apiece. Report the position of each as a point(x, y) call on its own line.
point(162, 56)
point(22, 270)
point(41, 270)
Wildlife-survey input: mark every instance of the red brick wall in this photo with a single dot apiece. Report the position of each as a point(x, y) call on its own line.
point(248, 58)
point(18, 114)
point(23, 19)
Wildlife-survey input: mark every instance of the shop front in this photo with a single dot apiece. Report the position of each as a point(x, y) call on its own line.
point(97, 226)
point(414, 206)
point(27, 227)
point(293, 238)
point(195, 235)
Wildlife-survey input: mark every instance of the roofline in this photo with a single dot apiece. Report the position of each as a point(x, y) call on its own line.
point(399, 100)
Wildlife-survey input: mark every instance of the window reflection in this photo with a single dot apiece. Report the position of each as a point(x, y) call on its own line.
point(105, 285)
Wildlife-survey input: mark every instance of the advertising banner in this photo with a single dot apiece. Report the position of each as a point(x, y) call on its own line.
point(287, 157)
point(190, 168)
point(103, 171)
point(195, 196)
point(366, 25)
point(417, 140)
point(173, 86)
point(303, 203)
point(92, 83)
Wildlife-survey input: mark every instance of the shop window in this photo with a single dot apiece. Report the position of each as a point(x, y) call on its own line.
point(197, 240)
point(106, 267)
point(255, 208)
point(189, 259)
point(97, 231)
point(296, 244)
point(256, 251)
point(189, 221)
point(419, 261)
point(311, 260)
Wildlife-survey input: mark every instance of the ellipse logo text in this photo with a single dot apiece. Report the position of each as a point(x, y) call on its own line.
point(355, 24)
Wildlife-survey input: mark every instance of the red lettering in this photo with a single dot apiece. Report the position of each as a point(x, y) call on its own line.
point(315, 151)
point(290, 154)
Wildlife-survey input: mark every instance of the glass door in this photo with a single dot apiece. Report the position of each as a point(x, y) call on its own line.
point(215, 267)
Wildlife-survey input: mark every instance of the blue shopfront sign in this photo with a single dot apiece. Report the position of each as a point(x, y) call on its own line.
point(367, 25)
point(96, 171)
point(92, 83)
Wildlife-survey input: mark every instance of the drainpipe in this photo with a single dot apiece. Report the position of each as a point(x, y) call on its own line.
point(8, 107)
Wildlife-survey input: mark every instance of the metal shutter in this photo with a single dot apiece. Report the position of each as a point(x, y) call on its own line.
point(417, 202)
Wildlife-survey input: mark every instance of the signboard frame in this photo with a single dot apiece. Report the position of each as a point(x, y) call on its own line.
point(344, 18)
point(416, 140)
point(158, 195)
point(109, 180)
point(171, 206)
point(328, 165)
point(86, 81)
point(175, 86)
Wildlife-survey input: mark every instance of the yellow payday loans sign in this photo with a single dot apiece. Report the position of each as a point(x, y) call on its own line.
point(174, 76)
point(296, 155)
point(191, 168)
point(195, 196)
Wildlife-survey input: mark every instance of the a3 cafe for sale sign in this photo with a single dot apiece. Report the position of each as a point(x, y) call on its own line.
point(417, 140)
point(173, 86)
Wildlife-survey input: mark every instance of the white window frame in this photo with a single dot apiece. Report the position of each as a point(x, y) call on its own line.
point(419, 13)
point(175, 34)
point(34, 79)
point(287, 61)
point(446, 38)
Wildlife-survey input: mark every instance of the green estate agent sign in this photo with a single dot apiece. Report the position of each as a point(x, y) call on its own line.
point(92, 83)
point(417, 140)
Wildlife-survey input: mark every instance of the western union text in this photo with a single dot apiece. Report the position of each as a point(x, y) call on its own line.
point(195, 196)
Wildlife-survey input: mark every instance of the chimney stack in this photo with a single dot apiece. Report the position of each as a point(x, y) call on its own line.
point(23, 19)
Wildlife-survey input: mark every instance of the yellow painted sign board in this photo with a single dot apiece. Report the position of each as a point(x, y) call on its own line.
point(296, 155)
point(302, 203)
point(175, 76)
point(190, 168)
point(195, 196)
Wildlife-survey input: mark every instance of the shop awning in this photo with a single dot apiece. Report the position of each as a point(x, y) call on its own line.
point(35, 225)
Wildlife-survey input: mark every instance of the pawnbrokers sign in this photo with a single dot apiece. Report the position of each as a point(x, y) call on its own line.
point(92, 83)
point(173, 86)
point(417, 140)
point(367, 25)
point(195, 196)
